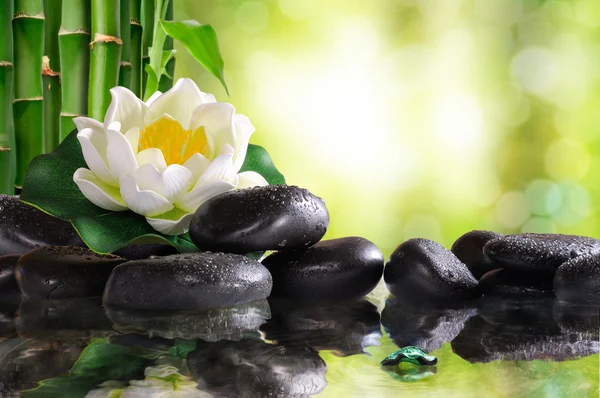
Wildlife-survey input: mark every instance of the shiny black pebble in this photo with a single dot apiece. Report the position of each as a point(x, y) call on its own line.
point(577, 281)
point(337, 269)
point(188, 281)
point(517, 284)
point(421, 271)
point(538, 252)
point(469, 249)
point(8, 283)
point(60, 272)
point(273, 217)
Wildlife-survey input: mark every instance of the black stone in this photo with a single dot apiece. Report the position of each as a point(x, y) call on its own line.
point(577, 281)
point(24, 228)
point(516, 283)
point(538, 252)
point(343, 327)
point(423, 327)
point(274, 217)
point(469, 249)
point(188, 282)
point(337, 269)
point(252, 368)
point(8, 283)
point(64, 272)
point(231, 323)
point(421, 271)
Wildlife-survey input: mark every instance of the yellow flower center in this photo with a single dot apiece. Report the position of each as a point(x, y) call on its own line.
point(176, 144)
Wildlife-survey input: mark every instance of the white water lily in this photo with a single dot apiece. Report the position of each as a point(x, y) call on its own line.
point(165, 157)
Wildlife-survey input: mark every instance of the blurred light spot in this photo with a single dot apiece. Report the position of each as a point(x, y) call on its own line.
point(508, 104)
point(512, 210)
point(536, 69)
point(499, 12)
point(567, 160)
point(422, 226)
point(356, 39)
point(576, 205)
point(543, 197)
point(486, 189)
point(588, 12)
point(297, 9)
point(252, 16)
point(458, 121)
point(539, 225)
point(580, 201)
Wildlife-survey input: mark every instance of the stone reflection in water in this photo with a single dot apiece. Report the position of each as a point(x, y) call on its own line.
point(524, 331)
point(232, 323)
point(425, 327)
point(252, 368)
point(346, 328)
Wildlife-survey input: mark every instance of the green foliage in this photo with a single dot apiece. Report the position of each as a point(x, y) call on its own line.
point(258, 159)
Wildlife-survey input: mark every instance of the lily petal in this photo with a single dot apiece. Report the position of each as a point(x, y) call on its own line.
point(152, 156)
point(170, 184)
point(217, 120)
point(194, 199)
point(82, 122)
point(220, 168)
point(133, 136)
point(153, 98)
point(125, 108)
point(97, 191)
point(249, 179)
point(121, 158)
point(179, 102)
point(174, 222)
point(93, 148)
point(243, 132)
point(146, 203)
point(197, 164)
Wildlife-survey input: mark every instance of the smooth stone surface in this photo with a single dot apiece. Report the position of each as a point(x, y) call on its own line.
point(577, 281)
point(421, 271)
point(24, 228)
point(469, 249)
point(518, 284)
point(140, 252)
point(344, 327)
point(64, 272)
point(337, 269)
point(273, 217)
point(8, 283)
point(252, 368)
point(231, 323)
point(188, 282)
point(538, 251)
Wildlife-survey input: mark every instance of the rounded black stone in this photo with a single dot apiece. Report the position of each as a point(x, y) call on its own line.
point(518, 284)
point(64, 272)
point(538, 251)
point(421, 271)
point(8, 283)
point(577, 281)
point(24, 228)
point(188, 281)
point(469, 249)
point(142, 251)
point(273, 217)
point(337, 269)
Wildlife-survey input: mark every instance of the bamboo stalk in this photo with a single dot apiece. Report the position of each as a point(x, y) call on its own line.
point(6, 75)
point(74, 40)
point(148, 33)
point(28, 49)
point(135, 54)
point(125, 68)
point(51, 74)
point(166, 82)
point(105, 55)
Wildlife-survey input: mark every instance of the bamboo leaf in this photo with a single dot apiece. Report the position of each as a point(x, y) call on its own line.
point(201, 42)
point(258, 160)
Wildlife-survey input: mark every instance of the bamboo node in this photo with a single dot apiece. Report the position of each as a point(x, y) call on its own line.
point(125, 63)
point(40, 98)
point(99, 37)
point(4, 149)
point(46, 70)
point(78, 31)
point(67, 114)
point(5, 63)
point(135, 22)
point(21, 14)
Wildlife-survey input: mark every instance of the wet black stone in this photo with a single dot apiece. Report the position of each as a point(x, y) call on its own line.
point(252, 368)
point(230, 323)
point(516, 283)
point(24, 228)
point(188, 282)
point(469, 249)
point(578, 280)
point(538, 252)
point(64, 272)
point(424, 327)
point(274, 217)
point(421, 271)
point(140, 252)
point(337, 269)
point(8, 283)
point(343, 327)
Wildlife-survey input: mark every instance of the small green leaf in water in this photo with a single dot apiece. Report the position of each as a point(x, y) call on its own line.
point(409, 354)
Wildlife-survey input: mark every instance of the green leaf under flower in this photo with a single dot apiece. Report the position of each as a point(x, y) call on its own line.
point(49, 187)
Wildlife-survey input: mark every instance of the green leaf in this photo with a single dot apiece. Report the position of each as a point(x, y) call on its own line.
point(49, 187)
point(201, 42)
point(258, 160)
